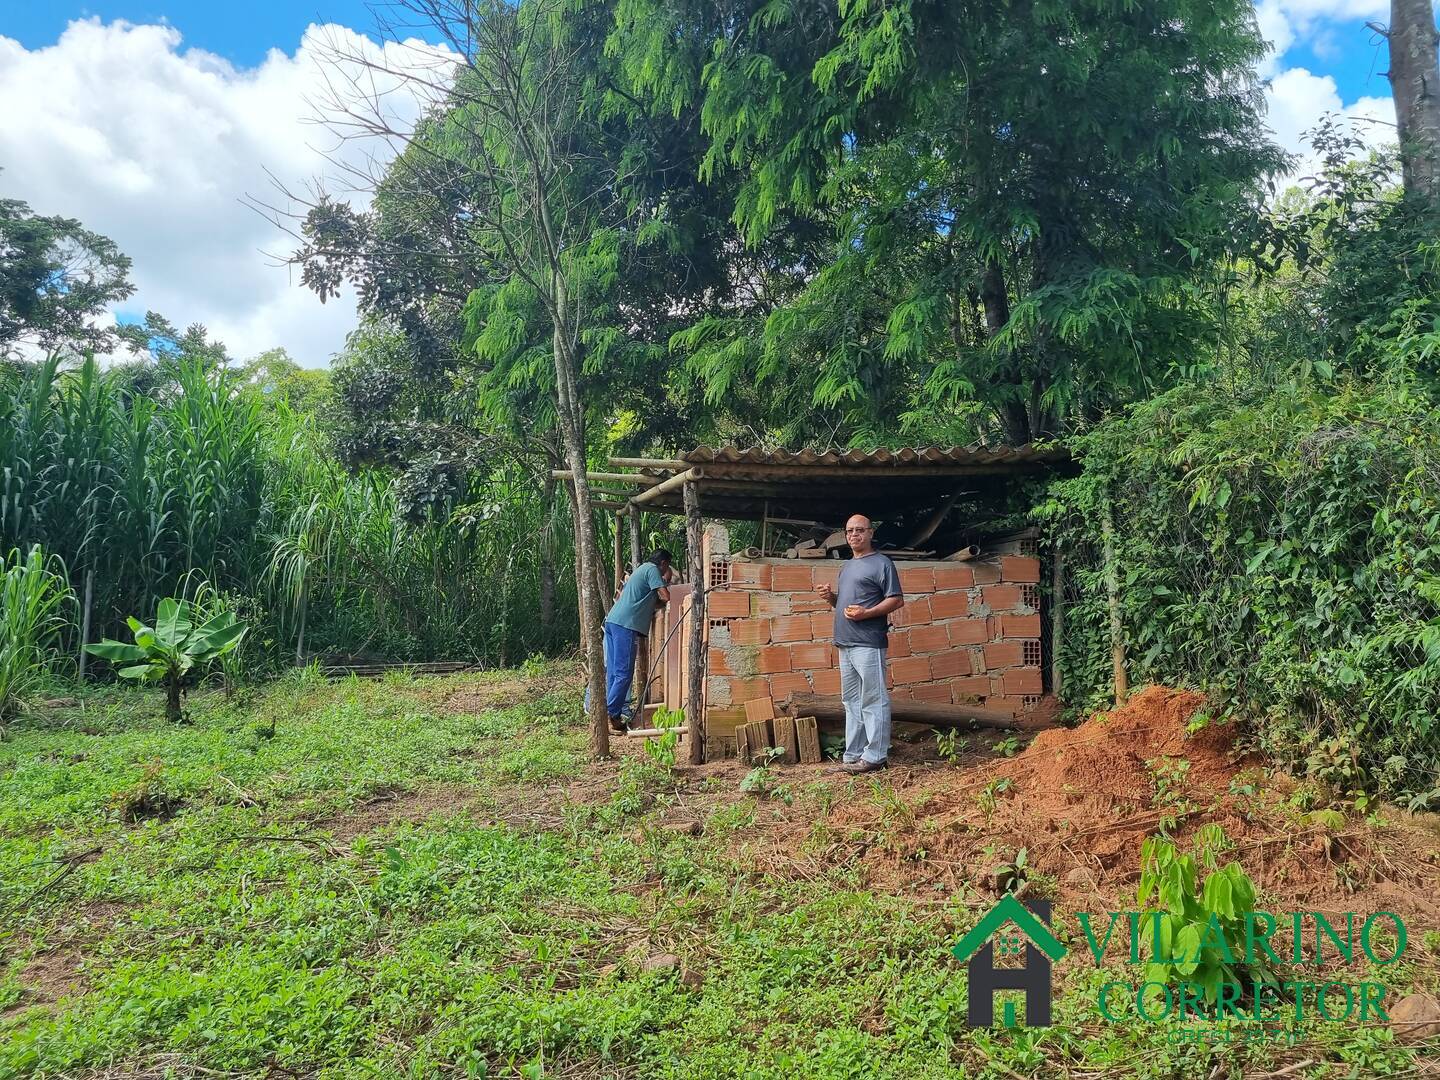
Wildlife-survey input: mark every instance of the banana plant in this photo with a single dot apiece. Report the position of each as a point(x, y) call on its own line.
point(172, 648)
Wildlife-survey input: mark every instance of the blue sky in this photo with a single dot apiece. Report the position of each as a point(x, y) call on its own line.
point(147, 138)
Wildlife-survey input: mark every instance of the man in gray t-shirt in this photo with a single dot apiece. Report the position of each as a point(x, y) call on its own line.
point(868, 591)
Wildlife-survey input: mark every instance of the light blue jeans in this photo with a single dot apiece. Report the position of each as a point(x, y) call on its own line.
point(867, 703)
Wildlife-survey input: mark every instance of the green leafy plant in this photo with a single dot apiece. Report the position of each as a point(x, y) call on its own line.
point(172, 649)
point(950, 745)
point(33, 598)
point(989, 794)
point(1201, 929)
point(1013, 876)
point(662, 748)
point(760, 781)
point(1008, 746)
point(1168, 776)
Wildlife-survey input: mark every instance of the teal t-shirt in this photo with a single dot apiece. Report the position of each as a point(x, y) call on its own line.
point(636, 605)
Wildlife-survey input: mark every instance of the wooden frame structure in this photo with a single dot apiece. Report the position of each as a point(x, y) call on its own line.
point(775, 486)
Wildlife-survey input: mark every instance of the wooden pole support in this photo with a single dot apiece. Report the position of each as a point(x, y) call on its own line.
point(667, 464)
point(606, 477)
point(679, 480)
point(694, 542)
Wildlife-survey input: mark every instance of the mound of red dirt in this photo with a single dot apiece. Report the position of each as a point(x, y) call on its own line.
point(1114, 758)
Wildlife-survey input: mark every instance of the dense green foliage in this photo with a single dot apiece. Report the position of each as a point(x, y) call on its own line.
point(1282, 549)
point(209, 478)
point(33, 601)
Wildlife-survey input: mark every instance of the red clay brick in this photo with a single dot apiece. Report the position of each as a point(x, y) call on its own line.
point(1010, 706)
point(1023, 681)
point(947, 665)
point(743, 690)
point(812, 654)
point(1003, 654)
point(968, 632)
point(912, 669)
point(725, 604)
point(916, 609)
point(792, 682)
point(1020, 626)
point(770, 603)
point(750, 575)
point(972, 688)
point(790, 628)
point(772, 658)
point(929, 639)
point(1000, 597)
point(807, 603)
point(750, 632)
point(822, 625)
point(917, 579)
point(724, 720)
point(826, 681)
point(931, 692)
point(949, 605)
point(954, 577)
point(788, 578)
point(827, 572)
point(1022, 568)
point(903, 694)
point(899, 643)
point(985, 573)
point(717, 662)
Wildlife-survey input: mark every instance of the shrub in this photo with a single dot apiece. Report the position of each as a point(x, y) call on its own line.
point(33, 599)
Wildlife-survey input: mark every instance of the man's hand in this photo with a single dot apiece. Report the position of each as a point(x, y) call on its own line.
point(827, 592)
point(856, 612)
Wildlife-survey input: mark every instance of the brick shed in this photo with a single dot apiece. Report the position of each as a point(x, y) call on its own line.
point(978, 623)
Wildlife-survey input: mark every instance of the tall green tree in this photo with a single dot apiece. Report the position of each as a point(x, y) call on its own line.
point(55, 277)
point(1023, 196)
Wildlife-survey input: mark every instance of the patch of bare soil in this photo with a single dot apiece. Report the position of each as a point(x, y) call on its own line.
point(485, 693)
point(394, 807)
point(1085, 798)
point(50, 976)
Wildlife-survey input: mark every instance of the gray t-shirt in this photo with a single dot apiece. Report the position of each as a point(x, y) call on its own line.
point(866, 580)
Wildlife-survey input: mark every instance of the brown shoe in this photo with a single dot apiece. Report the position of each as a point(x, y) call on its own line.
point(856, 768)
point(618, 725)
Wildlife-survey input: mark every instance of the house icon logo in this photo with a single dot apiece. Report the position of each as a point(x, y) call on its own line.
point(1041, 947)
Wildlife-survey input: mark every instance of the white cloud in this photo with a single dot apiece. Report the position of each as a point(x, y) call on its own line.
point(155, 146)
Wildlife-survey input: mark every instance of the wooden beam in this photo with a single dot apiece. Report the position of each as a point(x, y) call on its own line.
point(830, 707)
point(694, 541)
point(679, 480)
point(839, 473)
point(642, 645)
point(606, 477)
point(669, 465)
point(1057, 615)
point(619, 547)
point(608, 504)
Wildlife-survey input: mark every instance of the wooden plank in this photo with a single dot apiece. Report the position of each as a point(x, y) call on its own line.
point(807, 736)
point(829, 707)
point(695, 689)
point(742, 743)
point(759, 709)
point(785, 739)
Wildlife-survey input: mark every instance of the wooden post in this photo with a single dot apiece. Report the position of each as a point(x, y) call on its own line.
point(642, 647)
point(1112, 592)
point(619, 549)
point(85, 618)
point(1057, 614)
point(695, 696)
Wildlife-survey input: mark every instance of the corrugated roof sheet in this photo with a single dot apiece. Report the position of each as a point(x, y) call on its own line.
point(923, 455)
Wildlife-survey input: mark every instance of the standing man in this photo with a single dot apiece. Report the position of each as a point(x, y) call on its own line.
point(629, 621)
point(868, 592)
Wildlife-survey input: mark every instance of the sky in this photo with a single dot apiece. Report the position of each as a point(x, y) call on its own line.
point(152, 122)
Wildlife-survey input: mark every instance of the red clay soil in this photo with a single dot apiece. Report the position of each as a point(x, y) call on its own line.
point(1086, 798)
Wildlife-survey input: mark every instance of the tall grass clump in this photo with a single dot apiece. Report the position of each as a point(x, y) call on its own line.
point(34, 598)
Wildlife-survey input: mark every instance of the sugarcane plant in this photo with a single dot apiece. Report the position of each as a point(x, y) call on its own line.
point(170, 650)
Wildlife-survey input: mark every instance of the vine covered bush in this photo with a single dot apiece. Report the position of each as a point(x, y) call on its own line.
point(1279, 549)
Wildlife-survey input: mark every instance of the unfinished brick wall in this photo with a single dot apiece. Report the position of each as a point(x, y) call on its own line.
point(969, 633)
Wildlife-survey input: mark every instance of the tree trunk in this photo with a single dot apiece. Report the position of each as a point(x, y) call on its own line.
point(1013, 414)
point(1415, 82)
point(172, 699)
point(572, 429)
point(547, 561)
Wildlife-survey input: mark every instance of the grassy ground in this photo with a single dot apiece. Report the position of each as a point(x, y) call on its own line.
point(422, 878)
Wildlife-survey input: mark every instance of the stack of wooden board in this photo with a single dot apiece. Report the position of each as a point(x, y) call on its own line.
point(765, 737)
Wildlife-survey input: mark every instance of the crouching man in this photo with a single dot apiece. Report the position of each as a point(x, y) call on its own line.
point(868, 591)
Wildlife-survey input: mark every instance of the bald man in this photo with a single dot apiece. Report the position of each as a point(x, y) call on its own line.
point(868, 591)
